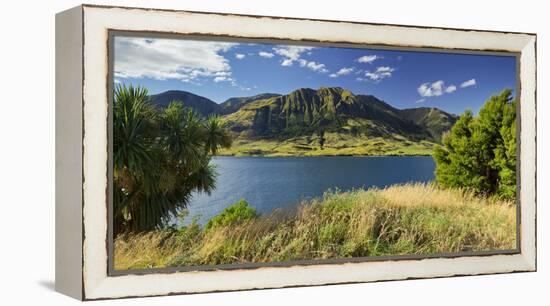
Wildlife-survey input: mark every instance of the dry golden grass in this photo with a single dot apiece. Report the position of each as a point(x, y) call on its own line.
point(398, 220)
point(146, 250)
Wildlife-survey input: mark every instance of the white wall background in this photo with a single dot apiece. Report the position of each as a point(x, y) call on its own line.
point(27, 153)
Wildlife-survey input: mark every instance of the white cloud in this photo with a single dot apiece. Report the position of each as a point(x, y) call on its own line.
point(163, 59)
point(431, 90)
point(435, 89)
point(420, 100)
point(266, 54)
point(450, 89)
point(468, 83)
point(385, 69)
point(235, 84)
point(239, 55)
point(368, 59)
point(286, 62)
point(223, 76)
point(380, 73)
point(342, 71)
point(290, 54)
point(318, 67)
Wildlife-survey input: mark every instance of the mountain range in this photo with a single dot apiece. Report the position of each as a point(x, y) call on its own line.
point(324, 121)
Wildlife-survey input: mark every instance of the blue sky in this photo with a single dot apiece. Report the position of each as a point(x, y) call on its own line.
point(221, 70)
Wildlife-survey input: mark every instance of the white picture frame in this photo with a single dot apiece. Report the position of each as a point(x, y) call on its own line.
point(82, 108)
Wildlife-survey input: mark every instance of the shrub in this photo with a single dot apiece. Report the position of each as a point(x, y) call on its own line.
point(479, 153)
point(236, 213)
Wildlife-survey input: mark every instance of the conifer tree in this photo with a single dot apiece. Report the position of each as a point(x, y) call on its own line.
point(479, 153)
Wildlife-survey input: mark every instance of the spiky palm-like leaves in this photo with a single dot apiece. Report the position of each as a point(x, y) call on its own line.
point(216, 134)
point(160, 158)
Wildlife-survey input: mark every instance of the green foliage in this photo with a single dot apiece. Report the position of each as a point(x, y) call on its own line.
point(216, 134)
point(189, 233)
point(479, 153)
point(160, 158)
point(236, 213)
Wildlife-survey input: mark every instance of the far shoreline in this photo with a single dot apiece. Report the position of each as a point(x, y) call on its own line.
point(328, 155)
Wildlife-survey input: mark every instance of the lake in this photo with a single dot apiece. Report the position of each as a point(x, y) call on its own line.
point(277, 182)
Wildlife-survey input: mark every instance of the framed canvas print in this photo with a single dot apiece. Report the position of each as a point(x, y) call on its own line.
point(201, 152)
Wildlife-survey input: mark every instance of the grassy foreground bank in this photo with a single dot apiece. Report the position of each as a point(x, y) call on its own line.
point(398, 220)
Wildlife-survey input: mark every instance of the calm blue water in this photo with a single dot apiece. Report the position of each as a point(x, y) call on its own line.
point(272, 182)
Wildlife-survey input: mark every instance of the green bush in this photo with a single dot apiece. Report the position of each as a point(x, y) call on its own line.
point(236, 213)
point(160, 157)
point(479, 153)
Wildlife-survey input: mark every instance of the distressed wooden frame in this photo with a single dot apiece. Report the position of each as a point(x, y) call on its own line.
point(83, 81)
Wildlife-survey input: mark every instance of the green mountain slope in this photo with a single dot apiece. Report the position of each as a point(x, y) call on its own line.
point(306, 111)
point(434, 120)
point(232, 105)
point(202, 105)
point(333, 121)
point(326, 121)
